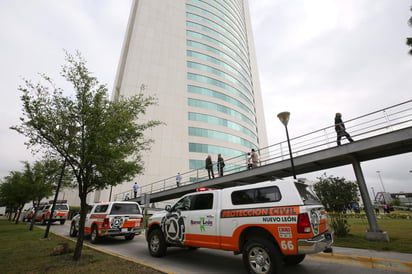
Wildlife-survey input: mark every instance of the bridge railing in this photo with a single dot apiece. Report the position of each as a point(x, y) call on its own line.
point(372, 124)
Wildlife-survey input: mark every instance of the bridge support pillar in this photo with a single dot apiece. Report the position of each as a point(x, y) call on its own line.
point(374, 233)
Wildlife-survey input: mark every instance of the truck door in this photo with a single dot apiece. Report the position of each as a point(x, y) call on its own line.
point(192, 221)
point(201, 221)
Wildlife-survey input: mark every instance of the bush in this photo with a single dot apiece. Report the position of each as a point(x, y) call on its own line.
point(339, 224)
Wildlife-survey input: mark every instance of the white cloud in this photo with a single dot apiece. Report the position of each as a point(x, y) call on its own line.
point(319, 57)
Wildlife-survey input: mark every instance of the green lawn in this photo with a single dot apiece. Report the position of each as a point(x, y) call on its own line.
point(399, 231)
point(24, 251)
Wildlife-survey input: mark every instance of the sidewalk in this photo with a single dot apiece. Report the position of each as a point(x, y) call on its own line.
point(393, 261)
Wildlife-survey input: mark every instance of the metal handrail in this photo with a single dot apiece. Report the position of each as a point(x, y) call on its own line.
point(368, 125)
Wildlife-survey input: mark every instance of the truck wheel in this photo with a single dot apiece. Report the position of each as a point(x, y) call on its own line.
point(294, 259)
point(129, 237)
point(156, 243)
point(73, 230)
point(94, 236)
point(261, 256)
point(62, 222)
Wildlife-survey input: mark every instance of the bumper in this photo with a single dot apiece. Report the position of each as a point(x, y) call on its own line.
point(316, 244)
point(121, 232)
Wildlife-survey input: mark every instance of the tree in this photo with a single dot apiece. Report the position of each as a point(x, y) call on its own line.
point(99, 140)
point(14, 193)
point(336, 194)
point(409, 39)
point(42, 179)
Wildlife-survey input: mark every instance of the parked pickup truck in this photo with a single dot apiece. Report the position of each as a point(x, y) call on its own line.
point(270, 223)
point(60, 212)
point(110, 219)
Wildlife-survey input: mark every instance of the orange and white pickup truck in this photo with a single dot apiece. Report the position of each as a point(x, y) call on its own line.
point(110, 219)
point(270, 223)
point(60, 212)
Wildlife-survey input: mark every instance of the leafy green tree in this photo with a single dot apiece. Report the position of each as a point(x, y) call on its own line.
point(42, 179)
point(6, 197)
point(98, 139)
point(336, 194)
point(14, 193)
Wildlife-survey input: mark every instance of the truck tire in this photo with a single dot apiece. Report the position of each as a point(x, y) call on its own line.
point(294, 259)
point(156, 243)
point(129, 237)
point(94, 235)
point(261, 256)
point(73, 230)
point(62, 222)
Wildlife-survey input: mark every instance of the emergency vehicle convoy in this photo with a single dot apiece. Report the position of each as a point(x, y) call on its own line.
point(270, 223)
point(110, 219)
point(60, 213)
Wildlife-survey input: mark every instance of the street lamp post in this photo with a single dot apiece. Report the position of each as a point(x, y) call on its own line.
point(284, 118)
point(380, 178)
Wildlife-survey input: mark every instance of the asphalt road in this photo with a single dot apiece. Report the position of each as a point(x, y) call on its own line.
point(205, 261)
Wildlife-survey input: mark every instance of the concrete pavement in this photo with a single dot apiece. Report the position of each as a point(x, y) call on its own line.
point(385, 260)
point(388, 260)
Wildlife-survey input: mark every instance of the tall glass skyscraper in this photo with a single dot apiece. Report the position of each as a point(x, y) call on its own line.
point(198, 58)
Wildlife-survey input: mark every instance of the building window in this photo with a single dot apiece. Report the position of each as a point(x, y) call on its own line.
point(220, 96)
point(213, 134)
point(219, 73)
point(220, 108)
point(219, 53)
point(211, 149)
point(220, 84)
point(221, 122)
point(220, 63)
point(218, 44)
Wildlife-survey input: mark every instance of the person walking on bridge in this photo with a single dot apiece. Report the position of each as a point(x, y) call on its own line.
point(220, 164)
point(255, 158)
point(209, 167)
point(135, 189)
point(178, 179)
point(340, 129)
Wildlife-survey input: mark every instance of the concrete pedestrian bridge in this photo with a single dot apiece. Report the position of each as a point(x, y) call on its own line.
point(384, 145)
point(379, 134)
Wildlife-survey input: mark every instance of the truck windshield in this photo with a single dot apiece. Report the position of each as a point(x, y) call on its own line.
point(61, 207)
point(125, 209)
point(306, 193)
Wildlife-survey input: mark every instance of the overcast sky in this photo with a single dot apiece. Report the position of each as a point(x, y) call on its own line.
point(315, 58)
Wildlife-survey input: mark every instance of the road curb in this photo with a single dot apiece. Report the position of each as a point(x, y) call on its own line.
point(117, 255)
point(365, 261)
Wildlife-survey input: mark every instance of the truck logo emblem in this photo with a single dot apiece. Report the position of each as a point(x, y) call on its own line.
point(174, 228)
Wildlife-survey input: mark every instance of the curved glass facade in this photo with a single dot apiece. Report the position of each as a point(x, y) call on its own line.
point(220, 108)
point(221, 122)
point(219, 73)
point(218, 135)
point(197, 58)
point(219, 95)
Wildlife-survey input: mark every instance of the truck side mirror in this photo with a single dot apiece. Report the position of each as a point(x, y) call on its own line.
point(168, 208)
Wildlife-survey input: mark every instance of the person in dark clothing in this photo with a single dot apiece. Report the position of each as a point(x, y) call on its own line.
point(220, 164)
point(340, 129)
point(209, 167)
